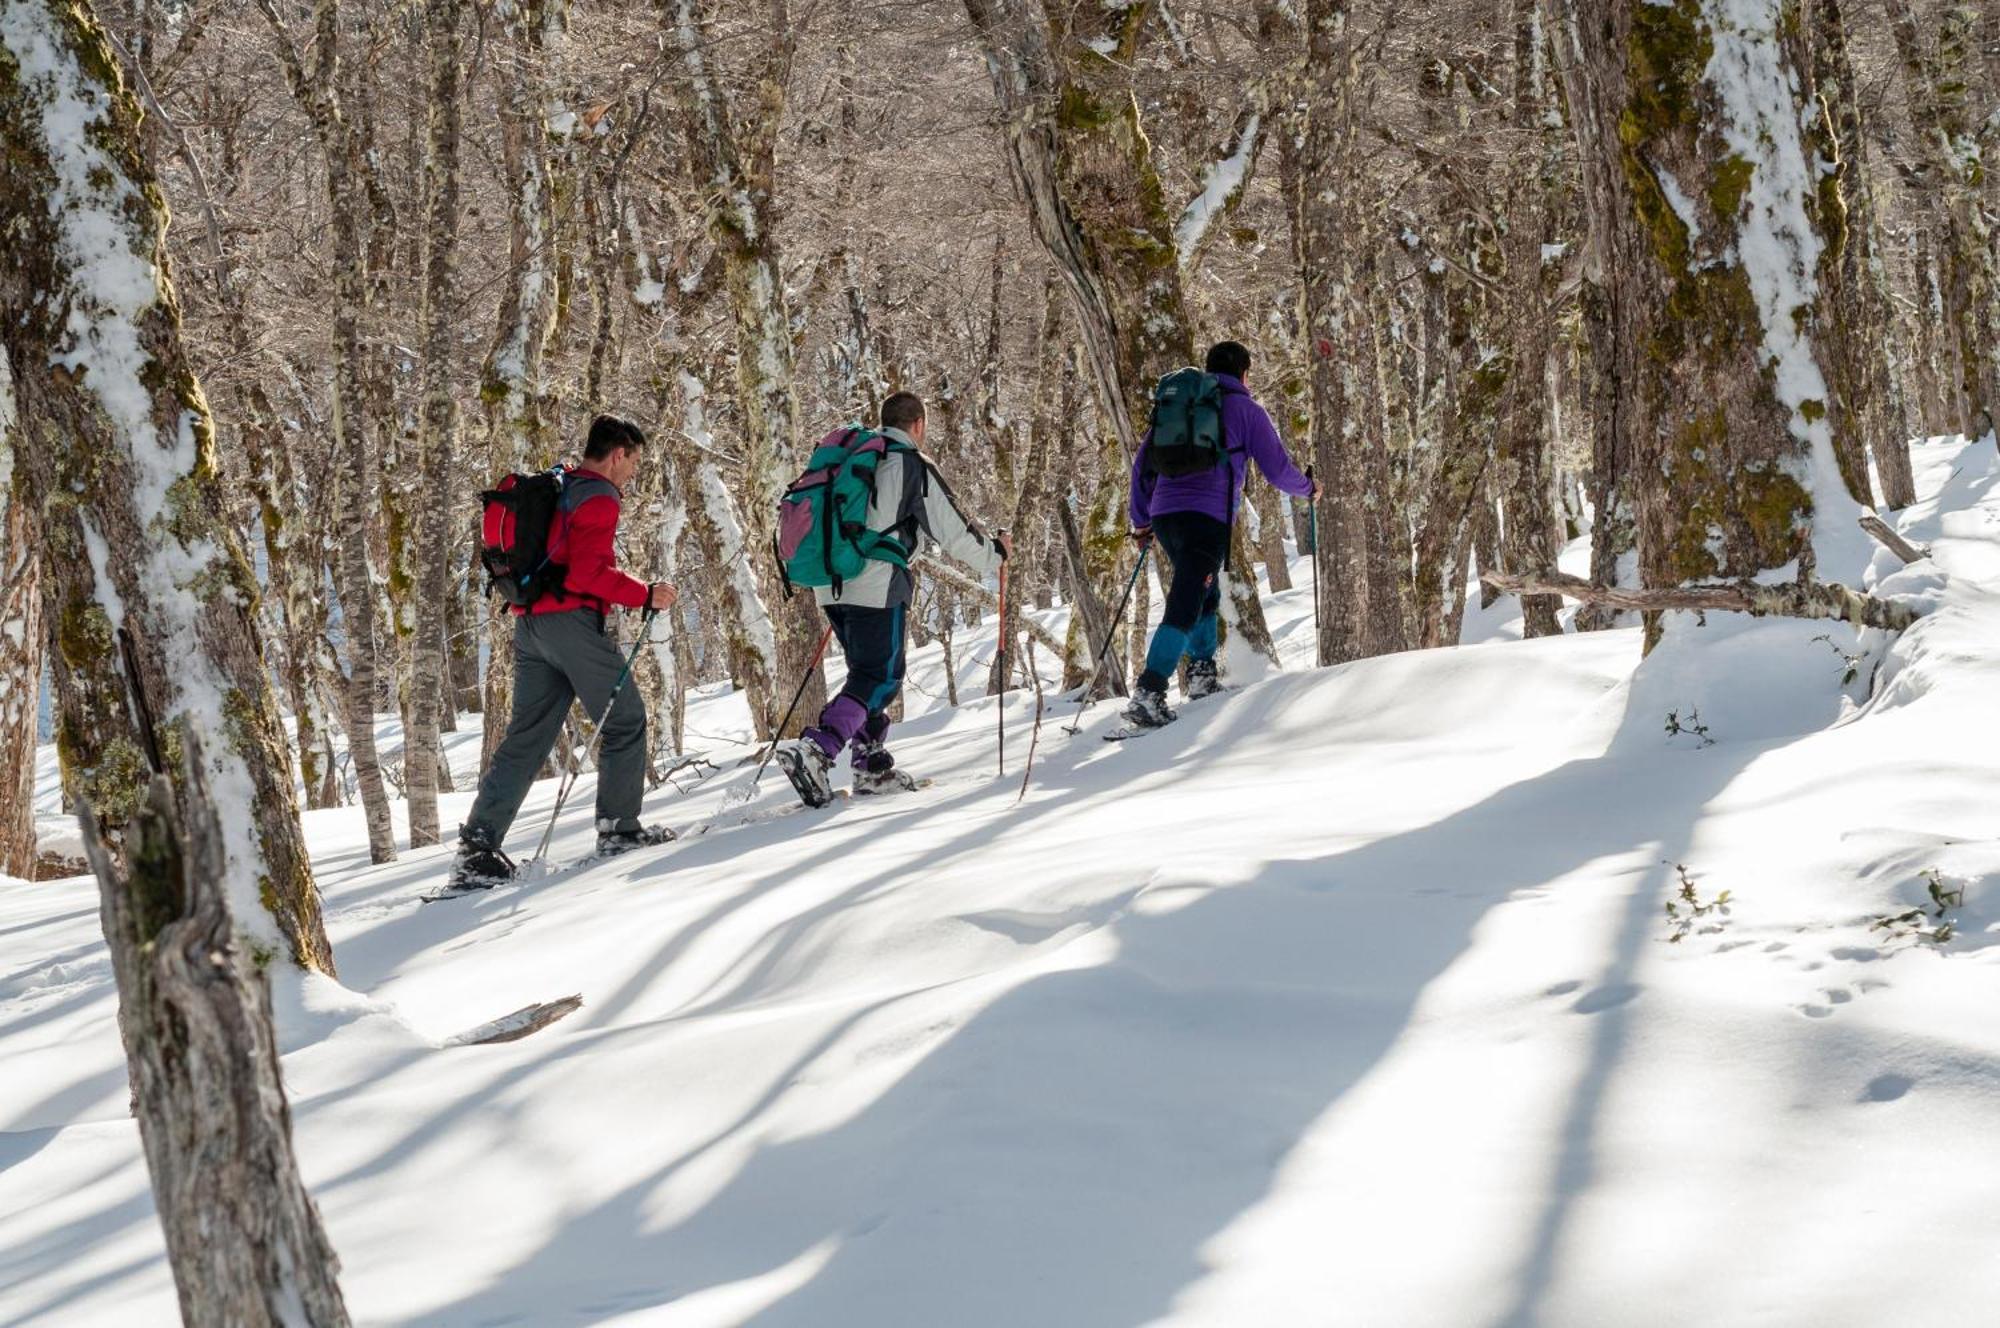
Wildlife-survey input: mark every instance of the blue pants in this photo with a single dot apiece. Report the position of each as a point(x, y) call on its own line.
point(1197, 545)
point(872, 640)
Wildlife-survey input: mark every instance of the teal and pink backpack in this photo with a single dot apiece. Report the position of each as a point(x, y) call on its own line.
point(823, 536)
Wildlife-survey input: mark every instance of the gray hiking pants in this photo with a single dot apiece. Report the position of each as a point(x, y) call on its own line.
point(560, 657)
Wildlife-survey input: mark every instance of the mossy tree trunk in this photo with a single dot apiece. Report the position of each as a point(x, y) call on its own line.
point(154, 597)
point(438, 436)
point(1868, 412)
point(1938, 82)
point(243, 1236)
point(1722, 397)
point(1079, 157)
point(731, 161)
point(22, 641)
point(1361, 610)
point(1537, 186)
point(512, 388)
point(359, 477)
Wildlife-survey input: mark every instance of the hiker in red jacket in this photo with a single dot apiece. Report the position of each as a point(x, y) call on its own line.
point(563, 653)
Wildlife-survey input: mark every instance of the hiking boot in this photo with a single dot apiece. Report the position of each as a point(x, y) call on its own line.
point(1203, 679)
point(611, 841)
point(1149, 709)
point(806, 764)
point(479, 867)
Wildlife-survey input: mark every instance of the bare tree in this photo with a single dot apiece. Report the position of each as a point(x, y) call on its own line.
point(439, 435)
point(116, 462)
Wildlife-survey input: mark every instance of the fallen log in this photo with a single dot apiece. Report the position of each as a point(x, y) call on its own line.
point(1791, 599)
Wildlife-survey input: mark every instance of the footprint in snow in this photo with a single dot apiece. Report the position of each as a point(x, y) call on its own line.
point(1886, 1088)
point(1564, 988)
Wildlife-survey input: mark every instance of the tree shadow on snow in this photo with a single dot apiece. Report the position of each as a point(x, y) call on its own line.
point(1065, 1156)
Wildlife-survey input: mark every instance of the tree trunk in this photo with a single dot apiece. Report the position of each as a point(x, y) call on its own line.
point(1349, 451)
point(1720, 381)
point(21, 644)
point(116, 462)
point(512, 387)
point(1853, 291)
point(716, 527)
point(1530, 537)
point(1937, 82)
point(244, 1238)
point(735, 174)
point(438, 439)
point(1080, 160)
point(359, 481)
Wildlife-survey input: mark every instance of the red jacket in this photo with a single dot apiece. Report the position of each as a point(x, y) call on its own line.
point(582, 542)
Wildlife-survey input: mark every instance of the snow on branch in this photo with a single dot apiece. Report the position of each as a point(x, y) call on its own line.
point(1221, 189)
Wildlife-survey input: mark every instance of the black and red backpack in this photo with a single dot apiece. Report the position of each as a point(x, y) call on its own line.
point(517, 524)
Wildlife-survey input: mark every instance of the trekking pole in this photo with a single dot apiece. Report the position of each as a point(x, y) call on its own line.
point(596, 738)
point(1312, 538)
point(1000, 662)
point(1117, 619)
point(777, 734)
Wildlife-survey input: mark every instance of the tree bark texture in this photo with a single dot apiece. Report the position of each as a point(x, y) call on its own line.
point(22, 641)
point(512, 388)
point(438, 435)
point(1856, 313)
point(1080, 159)
point(734, 168)
point(115, 461)
point(244, 1238)
point(359, 478)
point(1720, 393)
point(1350, 448)
point(1938, 81)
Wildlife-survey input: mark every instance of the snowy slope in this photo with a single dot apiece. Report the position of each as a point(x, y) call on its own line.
point(1348, 1000)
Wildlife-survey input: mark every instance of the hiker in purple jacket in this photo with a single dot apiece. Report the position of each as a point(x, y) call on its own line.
point(1191, 516)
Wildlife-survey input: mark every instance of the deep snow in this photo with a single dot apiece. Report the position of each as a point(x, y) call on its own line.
point(1347, 1000)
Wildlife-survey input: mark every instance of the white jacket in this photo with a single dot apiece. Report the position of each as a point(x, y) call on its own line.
point(910, 498)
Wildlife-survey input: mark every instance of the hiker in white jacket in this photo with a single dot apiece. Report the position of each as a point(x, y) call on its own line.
point(911, 501)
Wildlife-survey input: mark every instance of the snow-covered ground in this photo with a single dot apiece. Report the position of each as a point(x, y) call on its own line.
point(1350, 999)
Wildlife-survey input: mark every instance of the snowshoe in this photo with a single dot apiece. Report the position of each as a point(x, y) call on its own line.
point(477, 867)
point(1203, 679)
point(806, 764)
point(611, 841)
point(1149, 710)
point(893, 780)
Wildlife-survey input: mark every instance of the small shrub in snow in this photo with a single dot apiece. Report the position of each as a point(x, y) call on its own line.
point(1932, 923)
point(1692, 726)
point(1851, 663)
point(1687, 909)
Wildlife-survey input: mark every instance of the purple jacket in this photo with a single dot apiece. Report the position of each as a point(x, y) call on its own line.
point(1249, 434)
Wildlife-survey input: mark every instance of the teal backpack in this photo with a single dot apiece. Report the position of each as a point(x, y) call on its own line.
point(823, 536)
point(1187, 435)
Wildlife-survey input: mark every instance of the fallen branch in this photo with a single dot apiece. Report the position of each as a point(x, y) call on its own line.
point(951, 576)
point(1893, 542)
point(513, 1027)
point(1813, 599)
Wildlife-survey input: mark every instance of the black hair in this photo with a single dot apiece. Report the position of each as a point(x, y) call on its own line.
point(1229, 357)
point(608, 433)
point(901, 410)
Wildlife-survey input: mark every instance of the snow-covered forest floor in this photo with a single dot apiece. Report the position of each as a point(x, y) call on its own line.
point(1350, 999)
